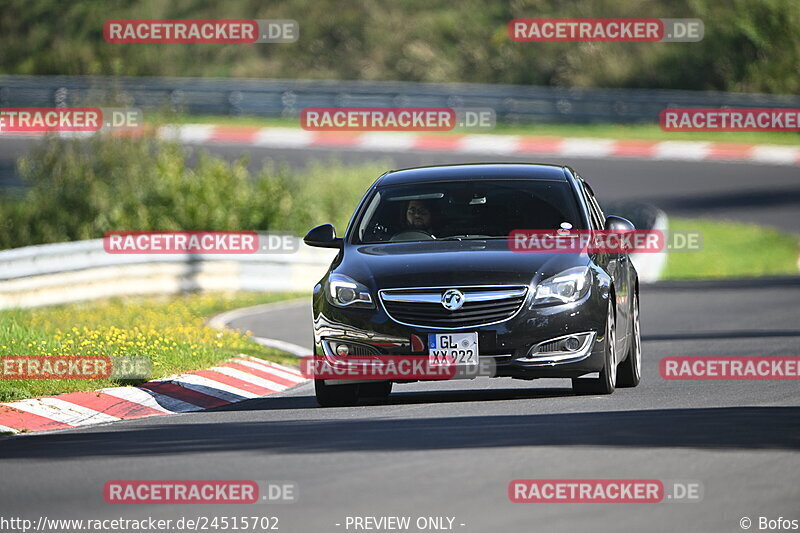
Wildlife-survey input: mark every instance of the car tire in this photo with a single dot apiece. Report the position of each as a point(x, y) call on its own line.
point(380, 390)
point(606, 382)
point(335, 395)
point(629, 372)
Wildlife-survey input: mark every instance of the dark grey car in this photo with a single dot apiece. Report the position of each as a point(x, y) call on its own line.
point(426, 257)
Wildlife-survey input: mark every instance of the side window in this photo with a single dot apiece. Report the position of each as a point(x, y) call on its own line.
point(594, 210)
point(598, 211)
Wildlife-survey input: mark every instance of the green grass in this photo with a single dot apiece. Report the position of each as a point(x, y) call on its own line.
point(733, 250)
point(170, 331)
point(638, 132)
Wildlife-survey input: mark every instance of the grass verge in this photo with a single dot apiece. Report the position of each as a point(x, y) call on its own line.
point(634, 132)
point(733, 250)
point(170, 331)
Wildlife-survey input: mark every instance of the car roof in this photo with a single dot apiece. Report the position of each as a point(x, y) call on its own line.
point(474, 171)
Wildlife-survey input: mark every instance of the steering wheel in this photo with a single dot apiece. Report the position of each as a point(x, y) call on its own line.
point(413, 235)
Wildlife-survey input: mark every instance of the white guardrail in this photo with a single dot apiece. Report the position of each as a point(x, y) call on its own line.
point(50, 274)
point(649, 266)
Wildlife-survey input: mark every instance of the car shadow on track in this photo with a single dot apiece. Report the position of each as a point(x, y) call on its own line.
point(715, 335)
point(755, 283)
point(730, 428)
point(400, 397)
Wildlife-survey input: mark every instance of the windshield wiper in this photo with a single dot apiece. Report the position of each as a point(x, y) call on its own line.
point(471, 238)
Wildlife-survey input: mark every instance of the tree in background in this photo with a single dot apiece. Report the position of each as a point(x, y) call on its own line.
point(749, 45)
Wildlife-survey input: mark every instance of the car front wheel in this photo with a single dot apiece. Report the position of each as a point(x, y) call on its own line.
point(607, 380)
point(335, 395)
point(376, 391)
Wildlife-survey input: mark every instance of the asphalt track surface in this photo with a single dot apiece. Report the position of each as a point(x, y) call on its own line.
point(451, 449)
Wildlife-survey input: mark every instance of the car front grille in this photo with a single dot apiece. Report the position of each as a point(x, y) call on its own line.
point(423, 307)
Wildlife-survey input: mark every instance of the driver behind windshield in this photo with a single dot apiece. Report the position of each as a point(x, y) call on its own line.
point(419, 216)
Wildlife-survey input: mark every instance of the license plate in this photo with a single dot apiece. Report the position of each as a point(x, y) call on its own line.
point(453, 348)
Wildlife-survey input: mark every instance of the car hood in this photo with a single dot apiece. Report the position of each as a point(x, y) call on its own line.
point(451, 263)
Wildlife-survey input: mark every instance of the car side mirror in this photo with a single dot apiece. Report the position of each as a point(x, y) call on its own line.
point(615, 223)
point(323, 236)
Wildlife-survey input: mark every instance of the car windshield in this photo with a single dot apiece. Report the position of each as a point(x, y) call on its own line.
point(461, 210)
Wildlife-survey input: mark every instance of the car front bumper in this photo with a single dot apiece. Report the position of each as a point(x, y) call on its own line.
point(504, 348)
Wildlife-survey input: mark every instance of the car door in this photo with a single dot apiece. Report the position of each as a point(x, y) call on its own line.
point(618, 269)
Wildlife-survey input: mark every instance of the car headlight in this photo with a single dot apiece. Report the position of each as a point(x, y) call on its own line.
point(566, 287)
point(343, 291)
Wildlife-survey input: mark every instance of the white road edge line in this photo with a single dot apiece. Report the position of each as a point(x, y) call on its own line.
point(294, 349)
point(222, 320)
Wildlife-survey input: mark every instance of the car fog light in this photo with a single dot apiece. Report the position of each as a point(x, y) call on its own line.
point(572, 344)
point(342, 350)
